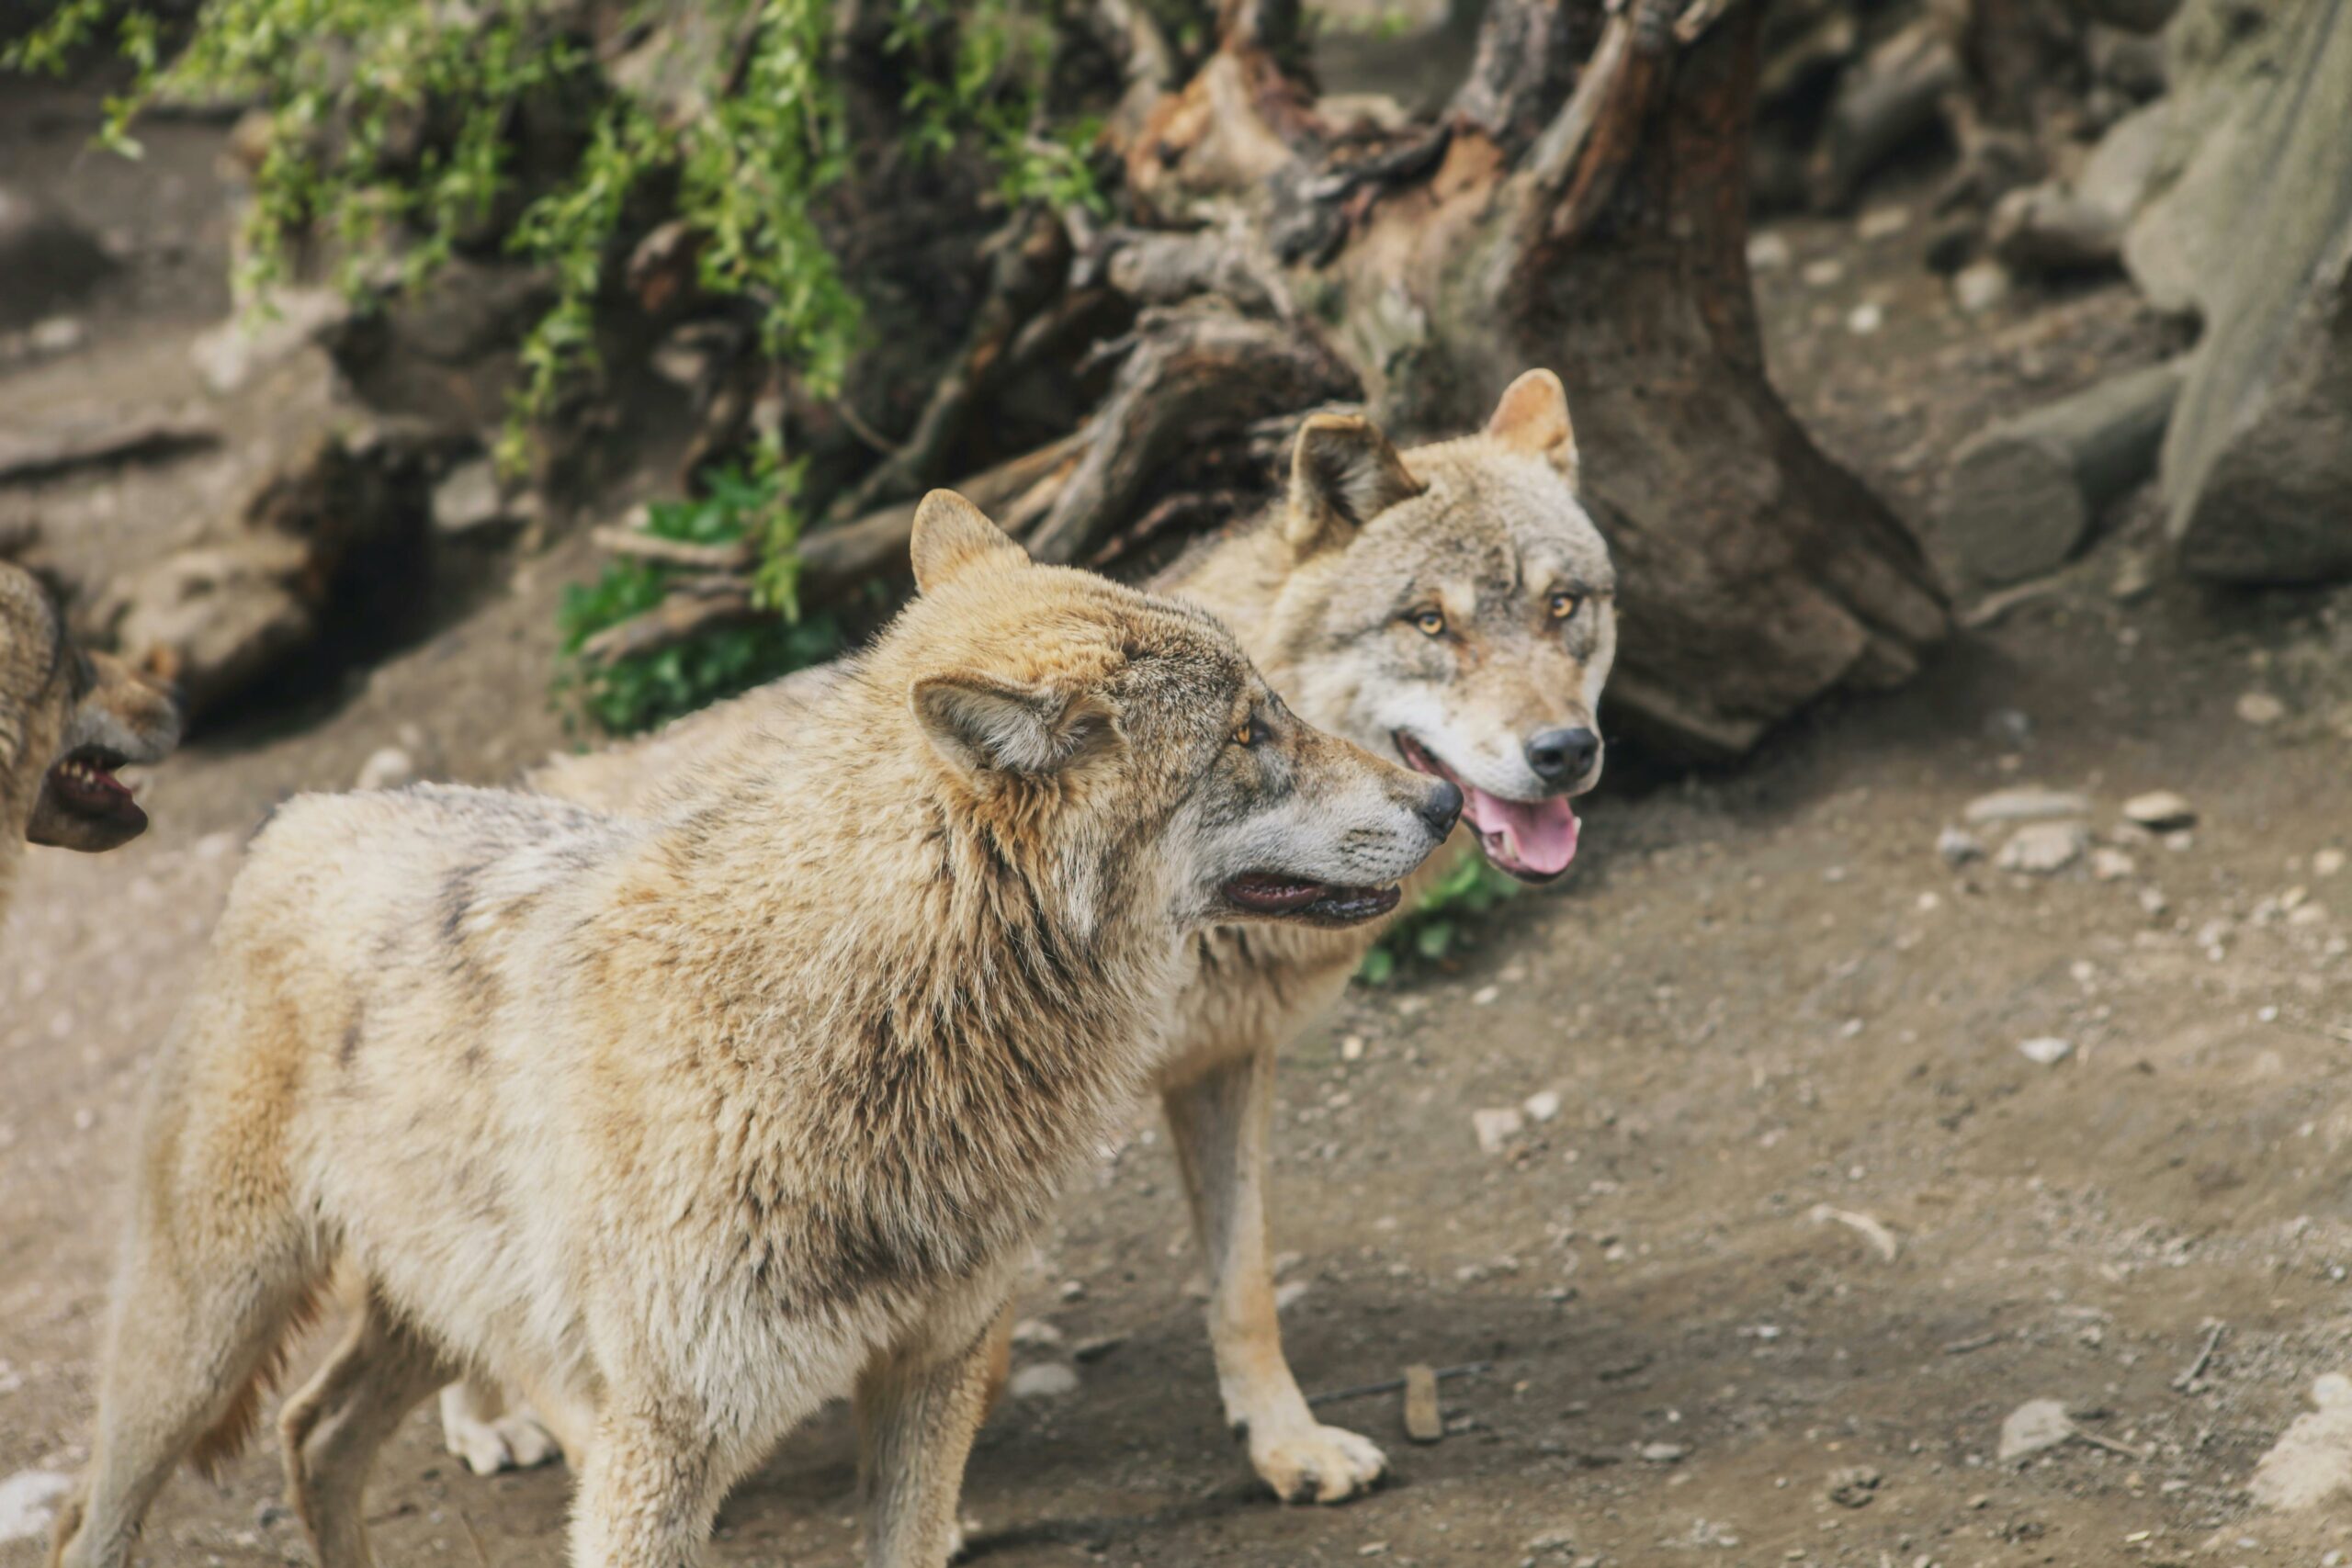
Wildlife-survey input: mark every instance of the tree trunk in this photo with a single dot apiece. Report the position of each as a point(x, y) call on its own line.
point(1756, 574)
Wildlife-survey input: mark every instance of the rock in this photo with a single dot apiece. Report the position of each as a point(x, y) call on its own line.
point(1047, 1380)
point(1663, 1453)
point(1979, 287)
point(2160, 810)
point(49, 262)
point(1865, 318)
point(2041, 849)
point(2312, 1462)
point(2260, 708)
point(1036, 1334)
point(2045, 1050)
point(2026, 805)
point(1542, 1106)
point(1497, 1128)
point(1959, 846)
point(2327, 863)
point(265, 334)
point(1290, 1294)
point(1853, 1486)
point(467, 500)
point(56, 334)
point(2112, 865)
point(1823, 272)
point(1882, 223)
point(1096, 1348)
point(2036, 1425)
point(1073, 1290)
point(1768, 253)
point(2255, 235)
point(2135, 578)
point(390, 768)
point(1424, 1422)
point(26, 1503)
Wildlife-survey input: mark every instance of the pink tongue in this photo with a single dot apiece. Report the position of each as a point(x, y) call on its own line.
point(1539, 836)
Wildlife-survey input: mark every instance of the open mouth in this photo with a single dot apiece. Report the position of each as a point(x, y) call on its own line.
point(1533, 839)
point(84, 785)
point(1275, 897)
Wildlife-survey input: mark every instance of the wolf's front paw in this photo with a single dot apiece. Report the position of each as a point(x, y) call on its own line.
point(513, 1441)
point(1320, 1464)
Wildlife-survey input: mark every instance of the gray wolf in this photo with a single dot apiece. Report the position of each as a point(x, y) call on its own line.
point(1453, 607)
point(69, 718)
point(688, 1120)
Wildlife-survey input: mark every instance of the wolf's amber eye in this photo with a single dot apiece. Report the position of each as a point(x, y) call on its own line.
point(1564, 604)
point(1430, 623)
point(1248, 733)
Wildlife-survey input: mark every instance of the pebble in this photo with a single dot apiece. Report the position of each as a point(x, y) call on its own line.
point(1823, 272)
point(1289, 1295)
point(57, 334)
point(1496, 1128)
point(1883, 222)
point(2036, 1425)
point(2261, 708)
point(1959, 846)
point(1865, 318)
point(1663, 1453)
point(1073, 1290)
point(2161, 811)
point(2040, 849)
point(1768, 253)
point(2327, 863)
point(1037, 1334)
point(2026, 804)
point(1853, 1486)
point(1542, 1106)
point(1980, 285)
point(2048, 1050)
point(1048, 1380)
point(2135, 578)
point(2112, 865)
point(391, 768)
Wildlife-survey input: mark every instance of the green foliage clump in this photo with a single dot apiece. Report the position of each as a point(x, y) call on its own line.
point(636, 693)
point(1441, 920)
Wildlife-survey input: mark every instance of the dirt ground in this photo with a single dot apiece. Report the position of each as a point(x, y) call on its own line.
point(1805, 1226)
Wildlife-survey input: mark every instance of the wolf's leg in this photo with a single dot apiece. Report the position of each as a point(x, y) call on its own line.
point(208, 1297)
point(649, 1487)
point(480, 1425)
point(1218, 1119)
point(917, 1414)
point(333, 1428)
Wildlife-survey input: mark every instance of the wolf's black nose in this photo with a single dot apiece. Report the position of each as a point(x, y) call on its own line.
point(1562, 756)
point(1442, 808)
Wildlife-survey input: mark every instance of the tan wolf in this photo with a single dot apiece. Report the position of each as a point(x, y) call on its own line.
point(68, 719)
point(1453, 606)
point(687, 1121)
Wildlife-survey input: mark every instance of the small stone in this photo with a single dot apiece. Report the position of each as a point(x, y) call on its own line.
point(2261, 708)
point(2135, 578)
point(1854, 1486)
point(391, 768)
point(2042, 849)
point(2026, 804)
point(1073, 1290)
point(467, 500)
point(2112, 865)
point(1037, 1334)
point(1663, 1453)
point(1768, 253)
point(57, 334)
point(1979, 287)
point(1352, 1048)
point(1096, 1348)
point(2048, 1050)
point(1542, 1106)
point(1552, 1540)
point(2327, 863)
point(1959, 846)
point(1287, 1296)
point(1823, 272)
point(1883, 222)
point(1424, 1422)
point(2036, 1425)
point(1497, 1128)
point(1047, 1380)
point(1865, 318)
point(2160, 810)
point(1485, 995)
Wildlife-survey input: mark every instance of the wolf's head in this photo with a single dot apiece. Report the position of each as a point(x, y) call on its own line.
point(68, 719)
point(1121, 742)
point(1455, 605)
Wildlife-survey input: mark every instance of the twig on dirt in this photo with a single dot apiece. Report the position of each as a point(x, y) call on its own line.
point(1974, 1342)
point(2110, 1443)
point(1392, 1385)
point(740, 556)
point(474, 1536)
point(2186, 1382)
point(1870, 1228)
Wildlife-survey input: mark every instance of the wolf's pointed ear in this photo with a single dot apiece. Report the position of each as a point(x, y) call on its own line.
point(949, 535)
point(1343, 473)
point(1533, 418)
point(981, 724)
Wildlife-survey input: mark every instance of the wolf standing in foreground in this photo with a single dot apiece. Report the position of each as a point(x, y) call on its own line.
point(68, 719)
point(1453, 607)
point(687, 1121)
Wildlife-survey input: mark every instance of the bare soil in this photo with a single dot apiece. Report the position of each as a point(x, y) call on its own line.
point(1763, 1001)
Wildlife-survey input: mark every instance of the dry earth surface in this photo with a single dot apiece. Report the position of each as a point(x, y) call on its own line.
point(1805, 1225)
